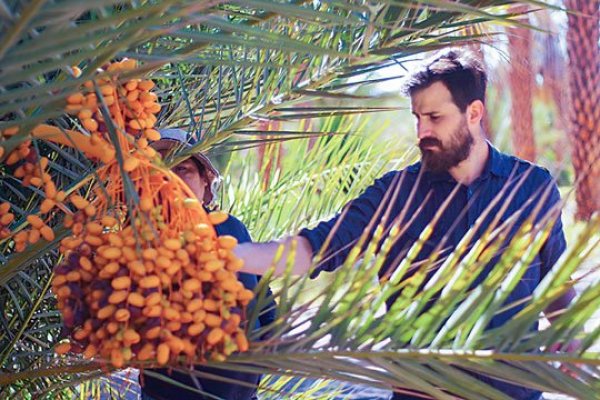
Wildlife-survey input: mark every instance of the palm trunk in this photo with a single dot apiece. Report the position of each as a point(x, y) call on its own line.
point(553, 68)
point(269, 155)
point(584, 84)
point(521, 85)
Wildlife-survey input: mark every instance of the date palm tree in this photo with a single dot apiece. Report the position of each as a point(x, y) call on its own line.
point(220, 67)
point(584, 78)
point(521, 87)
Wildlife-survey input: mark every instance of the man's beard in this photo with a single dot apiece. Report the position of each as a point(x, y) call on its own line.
point(446, 155)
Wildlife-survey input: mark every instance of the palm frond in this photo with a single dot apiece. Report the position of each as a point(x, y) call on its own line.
point(222, 66)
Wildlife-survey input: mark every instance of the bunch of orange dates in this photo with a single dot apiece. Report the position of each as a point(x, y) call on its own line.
point(128, 296)
point(144, 278)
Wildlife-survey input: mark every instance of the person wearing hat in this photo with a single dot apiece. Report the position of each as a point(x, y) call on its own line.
point(197, 171)
point(204, 180)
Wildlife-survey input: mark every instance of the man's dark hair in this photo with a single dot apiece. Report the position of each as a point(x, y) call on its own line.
point(459, 70)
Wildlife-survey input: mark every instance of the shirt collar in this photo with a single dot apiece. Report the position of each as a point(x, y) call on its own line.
point(498, 163)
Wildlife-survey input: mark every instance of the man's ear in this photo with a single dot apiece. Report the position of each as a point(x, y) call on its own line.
point(475, 112)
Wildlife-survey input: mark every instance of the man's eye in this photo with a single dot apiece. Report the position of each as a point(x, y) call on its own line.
point(435, 117)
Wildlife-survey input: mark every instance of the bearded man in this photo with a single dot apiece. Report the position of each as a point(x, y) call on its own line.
point(461, 175)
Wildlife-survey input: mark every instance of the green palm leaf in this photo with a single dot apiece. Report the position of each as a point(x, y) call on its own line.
point(221, 67)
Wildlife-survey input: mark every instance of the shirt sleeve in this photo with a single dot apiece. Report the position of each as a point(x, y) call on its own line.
point(240, 232)
point(344, 230)
point(235, 228)
point(556, 243)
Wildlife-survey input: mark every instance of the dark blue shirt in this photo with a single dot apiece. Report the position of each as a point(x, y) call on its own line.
point(412, 198)
point(159, 389)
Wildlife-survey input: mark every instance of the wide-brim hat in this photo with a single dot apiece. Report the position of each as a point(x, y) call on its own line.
point(178, 139)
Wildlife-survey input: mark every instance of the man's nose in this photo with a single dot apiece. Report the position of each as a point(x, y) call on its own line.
point(423, 130)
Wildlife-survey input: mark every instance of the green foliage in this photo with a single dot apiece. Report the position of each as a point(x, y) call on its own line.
point(317, 177)
point(223, 66)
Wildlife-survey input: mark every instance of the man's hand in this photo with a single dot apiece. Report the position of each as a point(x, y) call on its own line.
point(553, 312)
point(569, 347)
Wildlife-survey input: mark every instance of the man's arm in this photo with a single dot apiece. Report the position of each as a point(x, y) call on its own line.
point(556, 309)
point(258, 257)
point(551, 252)
point(333, 239)
point(553, 312)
